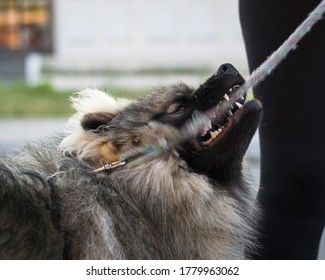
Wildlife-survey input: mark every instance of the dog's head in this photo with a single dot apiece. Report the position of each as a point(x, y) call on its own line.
point(111, 127)
point(219, 149)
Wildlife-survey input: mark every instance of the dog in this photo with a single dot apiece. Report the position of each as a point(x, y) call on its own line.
point(191, 202)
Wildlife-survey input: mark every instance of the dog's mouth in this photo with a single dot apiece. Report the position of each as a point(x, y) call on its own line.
point(218, 149)
point(217, 126)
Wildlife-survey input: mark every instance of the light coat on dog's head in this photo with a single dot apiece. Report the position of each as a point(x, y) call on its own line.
point(93, 109)
point(104, 126)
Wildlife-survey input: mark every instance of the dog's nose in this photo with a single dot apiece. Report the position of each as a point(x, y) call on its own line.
point(228, 69)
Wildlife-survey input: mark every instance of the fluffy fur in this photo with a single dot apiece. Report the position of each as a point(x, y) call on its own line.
point(53, 206)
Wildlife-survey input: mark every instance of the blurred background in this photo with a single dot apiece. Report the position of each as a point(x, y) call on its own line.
point(94, 42)
point(50, 49)
point(129, 46)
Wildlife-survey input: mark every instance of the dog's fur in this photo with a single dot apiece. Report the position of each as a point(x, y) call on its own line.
point(191, 203)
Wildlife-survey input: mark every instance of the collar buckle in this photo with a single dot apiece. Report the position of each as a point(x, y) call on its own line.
point(110, 166)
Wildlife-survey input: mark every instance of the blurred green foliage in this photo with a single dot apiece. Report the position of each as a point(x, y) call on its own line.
point(21, 100)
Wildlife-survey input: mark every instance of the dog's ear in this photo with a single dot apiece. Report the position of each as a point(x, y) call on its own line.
point(96, 122)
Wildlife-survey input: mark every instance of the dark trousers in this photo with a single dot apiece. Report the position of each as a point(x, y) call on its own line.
point(292, 132)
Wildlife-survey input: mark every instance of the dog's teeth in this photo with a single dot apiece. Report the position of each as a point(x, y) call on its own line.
point(205, 143)
point(230, 90)
point(214, 134)
point(226, 97)
point(230, 113)
point(238, 104)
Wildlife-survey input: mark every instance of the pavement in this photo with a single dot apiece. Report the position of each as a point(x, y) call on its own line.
point(16, 132)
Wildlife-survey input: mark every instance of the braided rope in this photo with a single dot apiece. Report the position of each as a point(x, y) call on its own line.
point(194, 126)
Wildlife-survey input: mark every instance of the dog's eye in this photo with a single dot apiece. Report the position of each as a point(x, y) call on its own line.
point(175, 108)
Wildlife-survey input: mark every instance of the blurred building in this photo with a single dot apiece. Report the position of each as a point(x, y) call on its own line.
point(96, 35)
point(25, 27)
point(146, 33)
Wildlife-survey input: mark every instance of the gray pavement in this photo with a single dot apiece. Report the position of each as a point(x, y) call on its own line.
point(15, 132)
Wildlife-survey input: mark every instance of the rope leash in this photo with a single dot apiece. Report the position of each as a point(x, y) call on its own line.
point(194, 126)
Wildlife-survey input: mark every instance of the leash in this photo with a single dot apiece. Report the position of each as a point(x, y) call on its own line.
point(194, 126)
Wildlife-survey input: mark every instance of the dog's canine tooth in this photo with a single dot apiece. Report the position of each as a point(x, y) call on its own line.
point(238, 105)
point(226, 97)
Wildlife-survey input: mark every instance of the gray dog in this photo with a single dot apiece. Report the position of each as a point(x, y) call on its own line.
point(189, 203)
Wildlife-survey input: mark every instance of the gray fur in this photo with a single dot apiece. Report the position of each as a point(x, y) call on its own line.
point(160, 209)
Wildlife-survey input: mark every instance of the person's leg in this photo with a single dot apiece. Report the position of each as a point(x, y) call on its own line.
point(292, 132)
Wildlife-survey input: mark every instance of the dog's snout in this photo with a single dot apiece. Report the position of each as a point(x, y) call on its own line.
point(226, 68)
